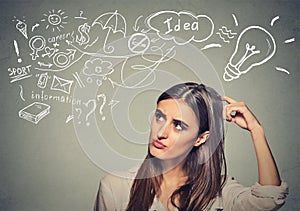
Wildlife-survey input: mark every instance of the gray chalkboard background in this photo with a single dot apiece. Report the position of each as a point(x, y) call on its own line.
point(45, 163)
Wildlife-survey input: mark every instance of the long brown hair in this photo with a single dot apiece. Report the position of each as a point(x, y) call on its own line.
point(203, 165)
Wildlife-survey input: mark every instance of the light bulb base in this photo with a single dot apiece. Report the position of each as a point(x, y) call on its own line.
point(231, 73)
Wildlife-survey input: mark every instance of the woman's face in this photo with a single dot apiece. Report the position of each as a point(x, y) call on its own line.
point(174, 130)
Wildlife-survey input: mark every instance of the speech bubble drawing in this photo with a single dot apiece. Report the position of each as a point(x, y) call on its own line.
point(170, 24)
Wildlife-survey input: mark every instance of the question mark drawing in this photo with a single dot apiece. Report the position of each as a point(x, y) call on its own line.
point(91, 111)
point(80, 111)
point(102, 105)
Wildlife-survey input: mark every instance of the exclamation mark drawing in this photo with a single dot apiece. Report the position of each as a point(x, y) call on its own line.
point(17, 51)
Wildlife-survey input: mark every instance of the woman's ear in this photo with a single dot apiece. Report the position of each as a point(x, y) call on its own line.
point(201, 139)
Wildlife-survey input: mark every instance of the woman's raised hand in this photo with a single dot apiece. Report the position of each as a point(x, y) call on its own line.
point(239, 113)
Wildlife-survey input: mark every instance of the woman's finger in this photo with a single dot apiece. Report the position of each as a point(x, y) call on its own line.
point(228, 99)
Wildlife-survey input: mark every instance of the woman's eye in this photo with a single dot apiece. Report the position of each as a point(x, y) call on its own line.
point(159, 117)
point(178, 126)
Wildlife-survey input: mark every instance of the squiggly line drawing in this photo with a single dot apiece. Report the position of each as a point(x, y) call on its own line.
point(224, 40)
point(21, 92)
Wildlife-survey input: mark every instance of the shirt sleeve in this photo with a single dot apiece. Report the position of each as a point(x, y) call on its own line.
point(257, 197)
point(104, 199)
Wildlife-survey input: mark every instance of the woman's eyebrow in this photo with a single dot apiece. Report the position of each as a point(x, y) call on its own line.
point(160, 112)
point(181, 122)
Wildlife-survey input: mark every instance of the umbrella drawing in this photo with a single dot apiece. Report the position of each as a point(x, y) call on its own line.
point(114, 22)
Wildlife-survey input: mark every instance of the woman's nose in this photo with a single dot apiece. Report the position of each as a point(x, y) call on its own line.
point(163, 131)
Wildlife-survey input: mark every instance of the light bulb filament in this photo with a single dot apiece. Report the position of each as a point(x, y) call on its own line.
point(250, 51)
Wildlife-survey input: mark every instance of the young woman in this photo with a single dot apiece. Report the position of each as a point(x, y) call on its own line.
point(185, 167)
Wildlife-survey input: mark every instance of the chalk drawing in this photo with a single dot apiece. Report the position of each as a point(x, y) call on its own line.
point(34, 112)
point(49, 51)
point(114, 22)
point(21, 92)
point(236, 23)
point(80, 15)
point(282, 70)
point(84, 37)
point(290, 40)
point(170, 23)
point(136, 26)
point(138, 43)
point(212, 45)
point(225, 34)
point(19, 73)
point(63, 59)
point(255, 46)
point(97, 67)
point(103, 97)
point(78, 110)
point(43, 79)
point(36, 43)
point(274, 20)
point(78, 79)
point(69, 118)
point(42, 64)
point(93, 108)
point(92, 43)
point(17, 51)
point(21, 26)
point(61, 84)
point(55, 20)
point(35, 26)
point(57, 98)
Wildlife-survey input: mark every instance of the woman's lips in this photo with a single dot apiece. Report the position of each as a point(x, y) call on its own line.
point(158, 144)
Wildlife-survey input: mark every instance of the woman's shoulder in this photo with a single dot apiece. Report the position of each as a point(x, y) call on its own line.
point(119, 179)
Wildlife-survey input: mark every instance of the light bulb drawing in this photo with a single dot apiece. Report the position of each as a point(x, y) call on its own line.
point(254, 46)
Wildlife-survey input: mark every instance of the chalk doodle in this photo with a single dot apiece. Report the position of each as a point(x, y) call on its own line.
point(139, 43)
point(225, 34)
point(17, 51)
point(78, 117)
point(274, 20)
point(167, 24)
point(69, 118)
point(21, 92)
point(61, 84)
point(154, 40)
point(102, 105)
point(34, 112)
point(19, 73)
point(35, 26)
point(21, 26)
point(250, 52)
point(114, 22)
point(97, 67)
point(49, 52)
point(84, 37)
point(43, 79)
point(235, 20)
point(90, 112)
point(290, 40)
point(80, 15)
point(36, 43)
point(282, 70)
point(78, 79)
point(63, 59)
point(55, 19)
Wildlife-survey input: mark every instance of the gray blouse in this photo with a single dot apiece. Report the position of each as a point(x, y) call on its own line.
point(113, 195)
